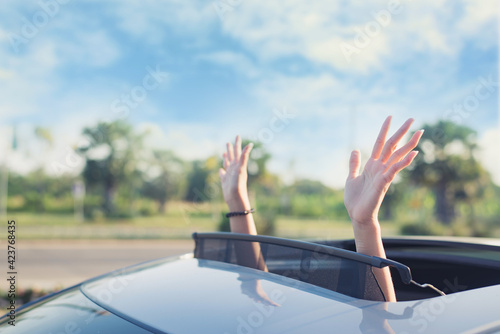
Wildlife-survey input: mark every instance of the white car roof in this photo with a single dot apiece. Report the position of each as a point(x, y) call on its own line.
point(188, 295)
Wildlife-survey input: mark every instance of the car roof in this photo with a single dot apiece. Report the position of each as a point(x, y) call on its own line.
point(189, 295)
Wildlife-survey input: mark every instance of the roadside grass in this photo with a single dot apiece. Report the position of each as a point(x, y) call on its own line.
point(183, 218)
point(175, 224)
point(40, 226)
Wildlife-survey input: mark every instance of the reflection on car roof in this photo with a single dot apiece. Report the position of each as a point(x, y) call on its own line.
point(189, 295)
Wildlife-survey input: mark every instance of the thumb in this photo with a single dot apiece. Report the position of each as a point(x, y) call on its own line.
point(354, 164)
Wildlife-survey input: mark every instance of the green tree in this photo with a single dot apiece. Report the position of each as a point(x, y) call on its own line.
point(257, 165)
point(162, 177)
point(392, 199)
point(447, 166)
point(111, 154)
point(309, 187)
point(38, 191)
point(197, 182)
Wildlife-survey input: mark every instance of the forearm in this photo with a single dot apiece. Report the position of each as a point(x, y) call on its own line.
point(241, 224)
point(234, 189)
point(248, 253)
point(368, 241)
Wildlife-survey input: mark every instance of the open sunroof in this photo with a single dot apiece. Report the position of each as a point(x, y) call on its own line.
point(339, 270)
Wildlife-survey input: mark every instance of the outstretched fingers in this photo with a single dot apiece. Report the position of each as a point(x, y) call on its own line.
point(230, 152)
point(235, 156)
point(379, 143)
point(225, 160)
point(237, 148)
point(354, 165)
point(399, 166)
point(245, 155)
point(392, 142)
point(403, 151)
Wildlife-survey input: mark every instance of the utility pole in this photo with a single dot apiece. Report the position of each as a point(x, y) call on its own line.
point(4, 185)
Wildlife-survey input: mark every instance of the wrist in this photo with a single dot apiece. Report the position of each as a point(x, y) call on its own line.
point(368, 238)
point(239, 203)
point(367, 224)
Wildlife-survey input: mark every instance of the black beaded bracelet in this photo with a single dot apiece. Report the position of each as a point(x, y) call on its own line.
point(239, 213)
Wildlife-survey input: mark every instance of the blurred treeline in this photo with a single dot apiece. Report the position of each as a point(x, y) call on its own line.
point(446, 191)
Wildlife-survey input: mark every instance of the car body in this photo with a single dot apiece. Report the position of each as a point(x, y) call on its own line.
point(204, 293)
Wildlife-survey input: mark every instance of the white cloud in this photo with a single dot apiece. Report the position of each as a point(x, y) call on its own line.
point(32, 78)
point(89, 49)
point(315, 31)
point(155, 21)
point(190, 141)
point(27, 81)
point(310, 93)
point(480, 21)
point(236, 61)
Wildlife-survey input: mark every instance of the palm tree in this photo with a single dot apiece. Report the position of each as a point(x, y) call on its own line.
point(447, 166)
point(162, 178)
point(111, 158)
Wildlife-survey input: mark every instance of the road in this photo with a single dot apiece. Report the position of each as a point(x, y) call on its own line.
point(49, 264)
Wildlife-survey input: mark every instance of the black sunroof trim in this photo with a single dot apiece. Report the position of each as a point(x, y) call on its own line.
point(377, 262)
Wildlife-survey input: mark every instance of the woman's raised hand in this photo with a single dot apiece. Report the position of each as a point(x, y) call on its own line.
point(365, 192)
point(234, 175)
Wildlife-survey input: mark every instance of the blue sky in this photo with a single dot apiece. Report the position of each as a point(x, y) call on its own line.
point(336, 68)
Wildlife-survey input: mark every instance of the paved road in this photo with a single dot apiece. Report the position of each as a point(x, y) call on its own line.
point(49, 264)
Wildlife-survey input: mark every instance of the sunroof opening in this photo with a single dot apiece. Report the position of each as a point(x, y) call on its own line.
point(335, 269)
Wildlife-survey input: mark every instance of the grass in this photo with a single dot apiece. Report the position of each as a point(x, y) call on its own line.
point(179, 222)
point(46, 226)
point(172, 225)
